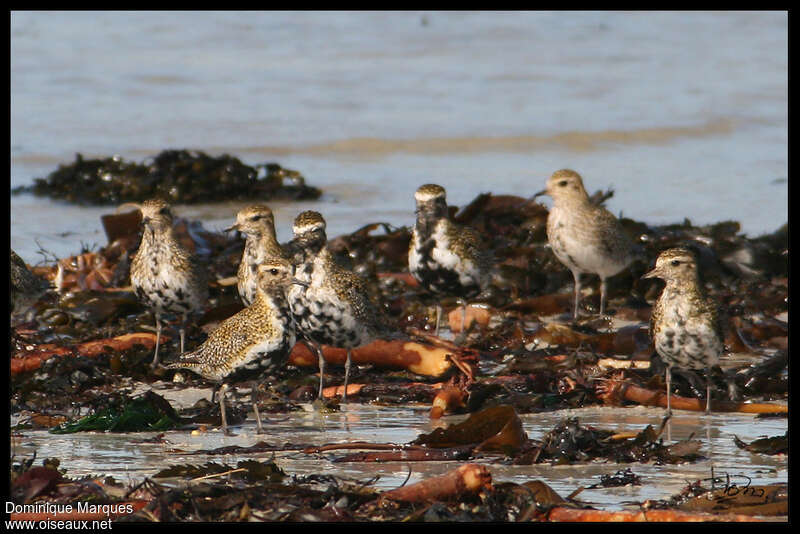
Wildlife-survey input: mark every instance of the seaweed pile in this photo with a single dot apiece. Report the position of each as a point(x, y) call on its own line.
point(91, 339)
point(178, 176)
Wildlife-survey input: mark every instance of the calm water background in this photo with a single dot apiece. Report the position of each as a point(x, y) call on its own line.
point(684, 114)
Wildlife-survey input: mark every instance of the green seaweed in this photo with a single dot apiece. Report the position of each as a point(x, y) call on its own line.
point(149, 412)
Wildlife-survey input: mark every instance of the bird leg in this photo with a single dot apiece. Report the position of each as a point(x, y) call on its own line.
point(669, 369)
point(222, 390)
point(346, 374)
point(438, 316)
point(462, 336)
point(318, 350)
point(602, 295)
point(708, 390)
point(158, 338)
point(255, 409)
point(577, 276)
point(182, 331)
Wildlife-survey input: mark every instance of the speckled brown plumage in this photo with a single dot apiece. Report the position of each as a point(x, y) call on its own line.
point(585, 237)
point(165, 276)
point(684, 325)
point(333, 308)
point(446, 258)
point(257, 223)
point(254, 340)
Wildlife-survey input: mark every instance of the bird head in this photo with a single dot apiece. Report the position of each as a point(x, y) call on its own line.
point(675, 265)
point(564, 185)
point(254, 220)
point(156, 214)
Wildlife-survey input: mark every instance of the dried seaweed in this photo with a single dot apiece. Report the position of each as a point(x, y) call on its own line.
point(179, 176)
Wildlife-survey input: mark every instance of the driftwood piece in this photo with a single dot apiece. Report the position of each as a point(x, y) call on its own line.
point(469, 478)
point(30, 360)
point(588, 516)
point(417, 358)
point(614, 391)
point(448, 399)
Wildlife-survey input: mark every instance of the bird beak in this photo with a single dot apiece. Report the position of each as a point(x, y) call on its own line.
point(540, 193)
point(652, 274)
point(231, 228)
point(299, 282)
point(145, 220)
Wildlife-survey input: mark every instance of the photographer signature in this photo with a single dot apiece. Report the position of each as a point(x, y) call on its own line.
point(730, 488)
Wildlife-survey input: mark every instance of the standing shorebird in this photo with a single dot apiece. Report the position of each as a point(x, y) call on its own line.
point(257, 338)
point(444, 257)
point(257, 224)
point(333, 307)
point(684, 324)
point(26, 287)
point(585, 237)
point(165, 276)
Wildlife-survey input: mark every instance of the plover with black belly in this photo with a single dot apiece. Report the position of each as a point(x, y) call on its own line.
point(333, 307)
point(684, 324)
point(257, 224)
point(446, 258)
point(585, 237)
point(165, 276)
point(258, 338)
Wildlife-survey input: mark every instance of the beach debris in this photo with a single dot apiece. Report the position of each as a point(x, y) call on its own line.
point(249, 470)
point(178, 176)
point(468, 478)
point(771, 445)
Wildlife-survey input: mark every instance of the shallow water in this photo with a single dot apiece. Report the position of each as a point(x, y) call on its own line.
point(119, 456)
point(684, 114)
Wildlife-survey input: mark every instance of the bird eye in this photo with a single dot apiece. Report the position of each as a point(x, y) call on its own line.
point(255, 218)
point(273, 271)
point(675, 262)
point(163, 211)
point(562, 183)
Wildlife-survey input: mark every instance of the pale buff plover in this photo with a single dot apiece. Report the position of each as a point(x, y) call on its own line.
point(585, 237)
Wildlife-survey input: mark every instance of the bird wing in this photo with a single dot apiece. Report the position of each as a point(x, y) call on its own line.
point(611, 236)
point(355, 291)
point(470, 245)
